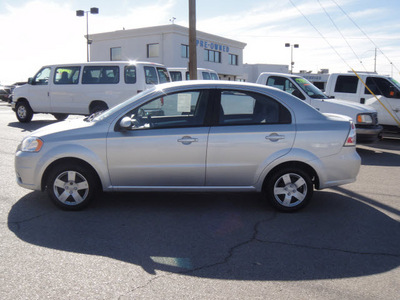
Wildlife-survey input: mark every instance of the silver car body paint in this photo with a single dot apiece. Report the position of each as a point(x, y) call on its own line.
point(215, 158)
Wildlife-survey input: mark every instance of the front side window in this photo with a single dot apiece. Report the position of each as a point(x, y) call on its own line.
point(206, 76)
point(163, 75)
point(248, 108)
point(67, 75)
point(285, 85)
point(183, 109)
point(346, 84)
point(379, 86)
point(150, 74)
point(100, 75)
point(176, 75)
point(153, 50)
point(42, 77)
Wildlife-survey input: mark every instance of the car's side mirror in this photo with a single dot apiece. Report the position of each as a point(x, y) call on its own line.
point(125, 123)
point(30, 80)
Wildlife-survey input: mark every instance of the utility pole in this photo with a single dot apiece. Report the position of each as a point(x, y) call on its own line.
point(192, 41)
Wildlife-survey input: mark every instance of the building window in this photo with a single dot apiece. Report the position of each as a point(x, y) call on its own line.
point(233, 59)
point(115, 53)
point(184, 51)
point(213, 56)
point(153, 50)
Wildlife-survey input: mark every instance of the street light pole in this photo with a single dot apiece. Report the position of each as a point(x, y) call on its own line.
point(291, 54)
point(81, 13)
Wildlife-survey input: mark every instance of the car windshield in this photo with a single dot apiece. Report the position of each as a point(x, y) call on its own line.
point(311, 90)
point(395, 82)
point(112, 110)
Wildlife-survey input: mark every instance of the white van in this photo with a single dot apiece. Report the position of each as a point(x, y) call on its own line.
point(364, 117)
point(347, 86)
point(179, 74)
point(85, 88)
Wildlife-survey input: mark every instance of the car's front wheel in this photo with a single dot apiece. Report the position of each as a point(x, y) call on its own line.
point(289, 189)
point(23, 112)
point(71, 186)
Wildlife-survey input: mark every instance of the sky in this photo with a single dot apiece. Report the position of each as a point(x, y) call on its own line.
point(332, 34)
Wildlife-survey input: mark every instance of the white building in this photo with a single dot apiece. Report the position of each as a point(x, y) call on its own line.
point(169, 45)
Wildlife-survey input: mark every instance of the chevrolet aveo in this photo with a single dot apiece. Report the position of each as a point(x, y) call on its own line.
point(193, 136)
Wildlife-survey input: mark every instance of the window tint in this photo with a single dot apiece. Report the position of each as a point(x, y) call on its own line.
point(151, 75)
point(346, 84)
point(379, 86)
point(130, 74)
point(176, 75)
point(185, 109)
point(67, 75)
point(42, 77)
point(100, 75)
point(247, 108)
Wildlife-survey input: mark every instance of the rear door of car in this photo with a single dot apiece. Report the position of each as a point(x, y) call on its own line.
point(251, 131)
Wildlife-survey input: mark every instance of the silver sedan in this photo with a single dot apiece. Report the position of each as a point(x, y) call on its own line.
point(193, 136)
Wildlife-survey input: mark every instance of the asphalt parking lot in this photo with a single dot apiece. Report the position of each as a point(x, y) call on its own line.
point(344, 245)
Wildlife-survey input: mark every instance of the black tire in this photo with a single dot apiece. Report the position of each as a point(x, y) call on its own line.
point(289, 189)
point(60, 117)
point(98, 107)
point(24, 112)
point(71, 186)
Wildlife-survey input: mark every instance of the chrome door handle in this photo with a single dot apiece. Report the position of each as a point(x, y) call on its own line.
point(396, 110)
point(274, 137)
point(187, 140)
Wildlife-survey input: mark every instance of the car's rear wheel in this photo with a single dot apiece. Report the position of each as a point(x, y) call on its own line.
point(23, 112)
point(60, 117)
point(71, 186)
point(289, 189)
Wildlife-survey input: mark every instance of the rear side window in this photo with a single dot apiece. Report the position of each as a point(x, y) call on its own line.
point(214, 76)
point(130, 74)
point(100, 75)
point(67, 75)
point(346, 84)
point(176, 75)
point(248, 108)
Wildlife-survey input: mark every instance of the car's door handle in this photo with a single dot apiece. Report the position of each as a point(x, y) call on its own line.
point(274, 137)
point(396, 110)
point(187, 140)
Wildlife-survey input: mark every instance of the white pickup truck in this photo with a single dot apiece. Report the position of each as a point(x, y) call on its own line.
point(386, 101)
point(364, 117)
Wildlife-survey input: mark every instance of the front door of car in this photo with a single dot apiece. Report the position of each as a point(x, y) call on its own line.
point(165, 146)
point(39, 94)
point(252, 131)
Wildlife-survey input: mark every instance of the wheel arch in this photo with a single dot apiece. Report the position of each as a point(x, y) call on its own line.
point(97, 103)
point(68, 160)
point(294, 164)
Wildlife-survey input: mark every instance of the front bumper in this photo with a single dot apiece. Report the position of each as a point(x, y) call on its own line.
point(368, 134)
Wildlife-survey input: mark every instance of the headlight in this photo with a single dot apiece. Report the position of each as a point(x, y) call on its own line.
point(364, 119)
point(31, 144)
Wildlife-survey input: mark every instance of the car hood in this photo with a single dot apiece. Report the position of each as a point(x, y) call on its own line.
point(63, 128)
point(349, 104)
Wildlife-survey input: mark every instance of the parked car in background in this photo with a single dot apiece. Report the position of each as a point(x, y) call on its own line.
point(5, 92)
point(193, 136)
point(179, 74)
point(364, 117)
point(386, 101)
point(85, 88)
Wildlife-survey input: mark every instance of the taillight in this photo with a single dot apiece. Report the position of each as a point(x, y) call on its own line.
point(351, 137)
